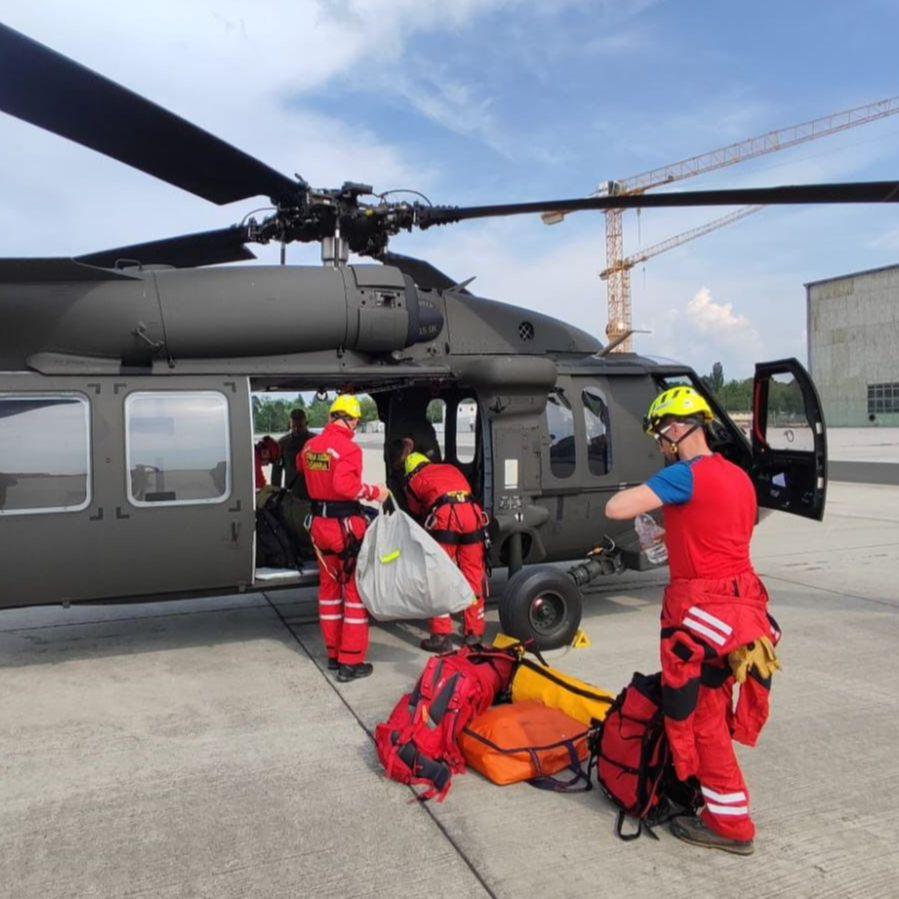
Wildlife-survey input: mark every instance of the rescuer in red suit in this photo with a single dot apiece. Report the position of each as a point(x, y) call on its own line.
point(439, 495)
point(332, 465)
point(265, 452)
point(716, 630)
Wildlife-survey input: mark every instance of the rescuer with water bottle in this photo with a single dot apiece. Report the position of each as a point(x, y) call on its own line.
point(716, 630)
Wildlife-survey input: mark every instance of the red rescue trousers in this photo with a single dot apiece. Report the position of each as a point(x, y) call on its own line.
point(463, 519)
point(726, 809)
point(343, 618)
point(703, 621)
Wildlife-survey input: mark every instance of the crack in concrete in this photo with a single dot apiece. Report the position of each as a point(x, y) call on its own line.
point(423, 805)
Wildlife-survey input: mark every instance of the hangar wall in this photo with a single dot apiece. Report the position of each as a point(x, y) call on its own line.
point(853, 346)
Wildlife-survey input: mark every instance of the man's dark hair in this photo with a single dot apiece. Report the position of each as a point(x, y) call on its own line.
point(395, 450)
point(297, 414)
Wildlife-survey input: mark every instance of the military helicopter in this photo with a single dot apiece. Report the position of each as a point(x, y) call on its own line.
point(126, 375)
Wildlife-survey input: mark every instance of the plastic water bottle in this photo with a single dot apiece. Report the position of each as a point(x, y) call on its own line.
point(651, 541)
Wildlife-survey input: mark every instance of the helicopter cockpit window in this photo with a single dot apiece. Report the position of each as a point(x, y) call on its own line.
point(178, 448)
point(560, 425)
point(44, 454)
point(597, 427)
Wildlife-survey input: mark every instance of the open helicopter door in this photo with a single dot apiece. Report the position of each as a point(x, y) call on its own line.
point(789, 443)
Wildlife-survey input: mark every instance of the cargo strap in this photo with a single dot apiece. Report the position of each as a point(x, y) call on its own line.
point(579, 782)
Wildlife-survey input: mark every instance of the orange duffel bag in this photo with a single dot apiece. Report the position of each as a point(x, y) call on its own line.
point(527, 741)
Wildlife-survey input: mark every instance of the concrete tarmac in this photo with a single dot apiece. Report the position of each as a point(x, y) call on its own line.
point(197, 748)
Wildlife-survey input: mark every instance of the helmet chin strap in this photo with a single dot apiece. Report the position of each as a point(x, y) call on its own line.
point(676, 443)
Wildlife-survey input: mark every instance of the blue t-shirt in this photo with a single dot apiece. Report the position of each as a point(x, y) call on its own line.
point(673, 485)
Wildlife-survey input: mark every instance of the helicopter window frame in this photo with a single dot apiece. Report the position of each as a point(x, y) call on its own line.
point(84, 401)
point(590, 395)
point(136, 395)
point(568, 463)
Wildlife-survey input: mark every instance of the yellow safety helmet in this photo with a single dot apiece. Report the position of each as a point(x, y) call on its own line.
point(415, 461)
point(347, 404)
point(677, 402)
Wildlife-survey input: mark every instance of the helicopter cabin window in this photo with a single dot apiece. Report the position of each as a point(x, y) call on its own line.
point(597, 428)
point(177, 447)
point(560, 425)
point(44, 453)
point(466, 430)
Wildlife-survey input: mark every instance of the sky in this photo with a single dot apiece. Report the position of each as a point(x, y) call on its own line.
point(480, 101)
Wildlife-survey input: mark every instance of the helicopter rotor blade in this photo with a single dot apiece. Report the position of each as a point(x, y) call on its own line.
point(186, 251)
point(850, 192)
point(421, 272)
point(47, 89)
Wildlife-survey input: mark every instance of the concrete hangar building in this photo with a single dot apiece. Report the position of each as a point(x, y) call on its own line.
point(853, 346)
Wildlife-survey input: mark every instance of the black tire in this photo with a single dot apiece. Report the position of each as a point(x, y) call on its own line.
point(541, 605)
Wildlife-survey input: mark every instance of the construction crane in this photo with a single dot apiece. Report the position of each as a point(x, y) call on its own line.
point(624, 266)
point(618, 273)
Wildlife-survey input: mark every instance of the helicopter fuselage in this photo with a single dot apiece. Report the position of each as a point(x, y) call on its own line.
point(126, 470)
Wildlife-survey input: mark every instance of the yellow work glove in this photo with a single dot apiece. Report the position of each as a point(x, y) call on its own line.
point(759, 655)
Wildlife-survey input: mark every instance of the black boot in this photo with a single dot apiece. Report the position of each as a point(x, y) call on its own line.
point(692, 830)
point(354, 672)
point(437, 643)
point(333, 664)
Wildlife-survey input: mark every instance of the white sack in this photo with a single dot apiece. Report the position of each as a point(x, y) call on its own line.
point(403, 573)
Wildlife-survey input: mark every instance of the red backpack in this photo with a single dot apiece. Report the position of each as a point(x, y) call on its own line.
point(633, 759)
point(419, 743)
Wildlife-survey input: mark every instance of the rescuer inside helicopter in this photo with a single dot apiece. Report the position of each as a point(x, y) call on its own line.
point(265, 453)
point(332, 465)
point(439, 495)
point(715, 624)
point(287, 469)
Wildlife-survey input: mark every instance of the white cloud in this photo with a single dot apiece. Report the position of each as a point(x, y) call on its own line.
point(718, 320)
point(240, 72)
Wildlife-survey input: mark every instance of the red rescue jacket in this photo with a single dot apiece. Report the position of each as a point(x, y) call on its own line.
point(458, 515)
point(432, 481)
point(332, 465)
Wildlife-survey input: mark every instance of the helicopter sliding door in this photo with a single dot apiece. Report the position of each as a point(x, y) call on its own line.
point(114, 488)
point(183, 518)
point(789, 443)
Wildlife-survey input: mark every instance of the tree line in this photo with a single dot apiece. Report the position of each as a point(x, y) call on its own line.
point(272, 416)
point(784, 398)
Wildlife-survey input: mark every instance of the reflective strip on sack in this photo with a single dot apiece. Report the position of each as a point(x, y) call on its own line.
point(390, 557)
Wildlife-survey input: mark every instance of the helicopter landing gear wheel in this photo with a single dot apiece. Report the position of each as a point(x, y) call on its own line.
point(541, 606)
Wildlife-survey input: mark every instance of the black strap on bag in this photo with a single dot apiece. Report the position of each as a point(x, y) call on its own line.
point(579, 782)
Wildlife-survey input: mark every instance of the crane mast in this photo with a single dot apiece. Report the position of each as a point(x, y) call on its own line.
point(617, 272)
